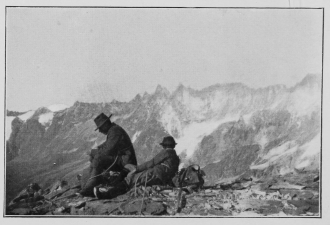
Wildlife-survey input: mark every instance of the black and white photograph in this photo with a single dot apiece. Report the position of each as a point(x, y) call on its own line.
point(163, 112)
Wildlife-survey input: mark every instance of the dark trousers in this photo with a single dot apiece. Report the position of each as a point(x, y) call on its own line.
point(100, 163)
point(146, 177)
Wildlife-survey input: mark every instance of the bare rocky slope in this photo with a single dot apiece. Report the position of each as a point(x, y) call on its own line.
point(231, 130)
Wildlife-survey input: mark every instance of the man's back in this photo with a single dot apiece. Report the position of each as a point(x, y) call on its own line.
point(118, 143)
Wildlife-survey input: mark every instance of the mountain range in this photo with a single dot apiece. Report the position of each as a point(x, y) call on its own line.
point(228, 129)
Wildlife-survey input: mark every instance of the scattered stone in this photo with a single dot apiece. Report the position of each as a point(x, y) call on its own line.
point(285, 185)
point(305, 195)
point(297, 211)
point(61, 209)
point(173, 194)
point(217, 206)
point(77, 204)
point(248, 204)
point(309, 205)
point(100, 208)
point(260, 187)
point(298, 195)
point(207, 206)
point(219, 212)
point(146, 208)
point(155, 208)
point(272, 207)
point(57, 193)
point(21, 211)
point(314, 186)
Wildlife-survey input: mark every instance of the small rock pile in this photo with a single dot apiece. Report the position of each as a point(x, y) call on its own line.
point(247, 197)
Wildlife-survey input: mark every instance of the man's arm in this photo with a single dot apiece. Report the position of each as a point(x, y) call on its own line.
point(108, 146)
point(160, 157)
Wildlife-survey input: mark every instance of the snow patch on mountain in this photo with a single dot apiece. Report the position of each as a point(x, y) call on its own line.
point(304, 102)
point(170, 121)
point(9, 120)
point(92, 139)
point(311, 148)
point(282, 150)
point(262, 139)
point(302, 164)
point(70, 151)
point(193, 134)
point(279, 155)
point(193, 103)
point(57, 107)
point(46, 119)
point(27, 115)
point(135, 136)
point(310, 156)
point(247, 118)
point(276, 154)
point(126, 116)
point(260, 166)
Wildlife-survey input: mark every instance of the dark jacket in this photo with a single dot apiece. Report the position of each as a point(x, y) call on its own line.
point(163, 166)
point(118, 143)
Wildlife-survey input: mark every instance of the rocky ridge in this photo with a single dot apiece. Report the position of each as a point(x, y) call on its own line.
point(282, 196)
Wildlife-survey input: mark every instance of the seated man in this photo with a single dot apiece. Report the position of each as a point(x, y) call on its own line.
point(116, 152)
point(158, 171)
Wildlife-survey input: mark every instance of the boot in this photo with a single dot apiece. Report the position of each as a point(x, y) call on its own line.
point(112, 192)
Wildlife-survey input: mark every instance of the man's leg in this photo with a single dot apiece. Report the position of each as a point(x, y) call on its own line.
point(135, 180)
point(92, 181)
point(146, 177)
point(98, 164)
point(120, 189)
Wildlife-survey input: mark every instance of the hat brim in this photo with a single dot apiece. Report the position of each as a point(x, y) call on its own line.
point(103, 122)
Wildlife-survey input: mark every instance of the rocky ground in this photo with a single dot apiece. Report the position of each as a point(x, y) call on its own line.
point(285, 196)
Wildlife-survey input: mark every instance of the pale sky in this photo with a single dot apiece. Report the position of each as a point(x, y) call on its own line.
point(60, 55)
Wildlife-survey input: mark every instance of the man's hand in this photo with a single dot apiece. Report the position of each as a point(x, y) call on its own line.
point(131, 168)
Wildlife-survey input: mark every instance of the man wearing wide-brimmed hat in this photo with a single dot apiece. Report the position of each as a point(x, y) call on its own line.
point(158, 171)
point(116, 152)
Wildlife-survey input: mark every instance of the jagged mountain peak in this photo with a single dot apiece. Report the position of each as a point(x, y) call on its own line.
point(180, 88)
point(41, 110)
point(310, 80)
point(161, 90)
point(145, 95)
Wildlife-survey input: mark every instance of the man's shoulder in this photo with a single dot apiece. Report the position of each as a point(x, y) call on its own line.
point(115, 128)
point(170, 151)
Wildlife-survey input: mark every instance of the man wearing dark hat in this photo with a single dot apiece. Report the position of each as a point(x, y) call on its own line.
point(116, 152)
point(158, 171)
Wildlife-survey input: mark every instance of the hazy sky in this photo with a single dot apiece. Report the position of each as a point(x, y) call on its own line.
point(60, 55)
